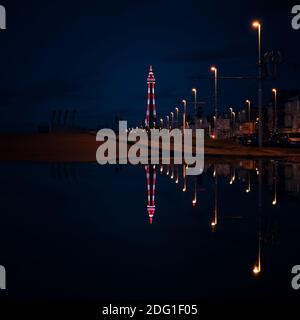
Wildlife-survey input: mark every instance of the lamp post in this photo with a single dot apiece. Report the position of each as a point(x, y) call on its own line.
point(233, 123)
point(215, 118)
point(177, 113)
point(257, 25)
point(249, 109)
point(161, 123)
point(275, 109)
point(230, 119)
point(233, 117)
point(168, 122)
point(231, 110)
point(194, 90)
point(215, 71)
point(172, 119)
point(184, 114)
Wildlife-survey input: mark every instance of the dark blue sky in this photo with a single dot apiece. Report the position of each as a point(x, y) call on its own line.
point(94, 56)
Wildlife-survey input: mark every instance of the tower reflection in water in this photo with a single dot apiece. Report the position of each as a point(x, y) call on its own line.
point(151, 181)
point(264, 181)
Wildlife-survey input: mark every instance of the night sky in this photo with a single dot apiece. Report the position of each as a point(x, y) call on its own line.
point(94, 56)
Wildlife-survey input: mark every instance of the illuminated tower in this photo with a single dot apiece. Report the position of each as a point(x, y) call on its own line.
point(150, 120)
point(151, 181)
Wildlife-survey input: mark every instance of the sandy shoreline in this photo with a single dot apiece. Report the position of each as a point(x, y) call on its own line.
point(82, 148)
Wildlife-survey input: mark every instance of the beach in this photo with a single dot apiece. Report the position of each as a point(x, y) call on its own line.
point(82, 147)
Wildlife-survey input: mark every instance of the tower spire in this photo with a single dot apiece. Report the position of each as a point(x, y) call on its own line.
point(150, 120)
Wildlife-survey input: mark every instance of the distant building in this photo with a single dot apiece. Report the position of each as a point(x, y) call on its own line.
point(288, 113)
point(292, 114)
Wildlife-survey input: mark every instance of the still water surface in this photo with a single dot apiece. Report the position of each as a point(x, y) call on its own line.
point(83, 230)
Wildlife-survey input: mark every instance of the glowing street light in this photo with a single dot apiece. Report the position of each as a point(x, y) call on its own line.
point(184, 178)
point(215, 118)
point(232, 177)
point(231, 110)
point(177, 115)
point(249, 111)
point(233, 117)
point(215, 172)
point(161, 123)
point(215, 71)
point(184, 114)
point(172, 119)
point(249, 184)
point(274, 202)
point(194, 90)
point(257, 25)
point(215, 218)
point(194, 202)
point(257, 266)
point(275, 108)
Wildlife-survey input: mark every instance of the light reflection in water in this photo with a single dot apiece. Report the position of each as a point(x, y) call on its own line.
point(248, 172)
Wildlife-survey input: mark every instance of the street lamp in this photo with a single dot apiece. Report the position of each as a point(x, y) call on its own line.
point(249, 112)
point(215, 122)
point(168, 122)
point(161, 123)
point(275, 109)
point(257, 25)
point(231, 111)
point(177, 112)
point(184, 114)
point(233, 117)
point(172, 119)
point(215, 70)
point(194, 90)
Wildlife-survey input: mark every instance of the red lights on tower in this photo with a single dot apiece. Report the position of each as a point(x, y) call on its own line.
point(150, 120)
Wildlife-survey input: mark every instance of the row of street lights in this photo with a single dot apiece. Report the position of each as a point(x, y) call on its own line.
point(248, 103)
point(214, 69)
